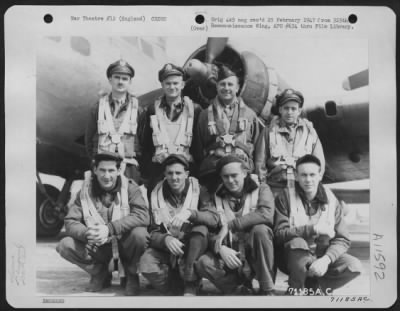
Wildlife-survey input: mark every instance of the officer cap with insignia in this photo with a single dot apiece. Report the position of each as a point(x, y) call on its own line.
point(224, 72)
point(121, 67)
point(107, 156)
point(290, 95)
point(176, 158)
point(169, 70)
point(231, 158)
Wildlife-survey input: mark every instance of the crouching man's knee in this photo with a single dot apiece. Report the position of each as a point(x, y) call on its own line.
point(67, 246)
point(138, 237)
point(296, 243)
point(200, 229)
point(149, 261)
point(262, 232)
point(205, 266)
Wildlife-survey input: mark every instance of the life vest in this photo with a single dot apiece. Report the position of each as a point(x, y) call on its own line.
point(116, 135)
point(301, 146)
point(232, 140)
point(298, 216)
point(227, 214)
point(120, 208)
point(250, 204)
point(172, 137)
point(163, 212)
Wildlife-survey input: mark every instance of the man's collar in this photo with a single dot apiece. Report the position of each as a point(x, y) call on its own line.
point(231, 105)
point(167, 192)
point(164, 102)
point(249, 186)
point(125, 100)
point(98, 191)
point(282, 127)
point(320, 196)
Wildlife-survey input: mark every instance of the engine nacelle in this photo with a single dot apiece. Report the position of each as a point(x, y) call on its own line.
point(259, 84)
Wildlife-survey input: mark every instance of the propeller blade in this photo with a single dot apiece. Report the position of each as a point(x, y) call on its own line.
point(214, 48)
point(356, 80)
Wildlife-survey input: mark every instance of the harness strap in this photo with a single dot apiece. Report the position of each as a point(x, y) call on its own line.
point(233, 125)
point(327, 215)
point(237, 135)
point(302, 147)
point(183, 139)
point(160, 208)
point(226, 214)
point(215, 127)
point(90, 214)
point(106, 125)
point(120, 208)
point(292, 195)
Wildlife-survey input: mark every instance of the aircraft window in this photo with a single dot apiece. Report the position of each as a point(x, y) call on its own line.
point(147, 48)
point(330, 108)
point(80, 45)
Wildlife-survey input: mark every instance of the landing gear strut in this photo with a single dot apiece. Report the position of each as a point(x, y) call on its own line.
point(48, 223)
point(51, 207)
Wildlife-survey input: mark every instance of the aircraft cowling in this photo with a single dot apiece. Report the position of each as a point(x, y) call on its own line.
point(259, 84)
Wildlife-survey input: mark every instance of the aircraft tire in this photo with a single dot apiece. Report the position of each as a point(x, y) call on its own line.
point(47, 224)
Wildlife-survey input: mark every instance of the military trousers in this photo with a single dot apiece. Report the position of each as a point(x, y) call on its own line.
point(167, 273)
point(131, 247)
point(259, 254)
point(296, 261)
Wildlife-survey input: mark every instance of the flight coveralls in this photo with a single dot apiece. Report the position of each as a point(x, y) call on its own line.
point(298, 245)
point(115, 129)
point(249, 233)
point(128, 235)
point(222, 131)
point(164, 270)
point(278, 148)
point(166, 130)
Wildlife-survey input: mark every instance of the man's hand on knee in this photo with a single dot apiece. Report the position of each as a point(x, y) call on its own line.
point(180, 218)
point(229, 256)
point(319, 267)
point(97, 234)
point(174, 245)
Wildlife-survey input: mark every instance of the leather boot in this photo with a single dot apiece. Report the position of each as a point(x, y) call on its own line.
point(99, 281)
point(132, 287)
point(264, 292)
point(190, 288)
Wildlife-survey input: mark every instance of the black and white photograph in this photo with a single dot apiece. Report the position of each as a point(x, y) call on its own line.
point(226, 166)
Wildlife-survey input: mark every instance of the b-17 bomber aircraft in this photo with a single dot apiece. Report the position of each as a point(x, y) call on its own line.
point(71, 73)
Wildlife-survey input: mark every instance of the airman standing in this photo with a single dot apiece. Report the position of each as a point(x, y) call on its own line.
point(113, 121)
point(287, 138)
point(167, 125)
point(227, 126)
